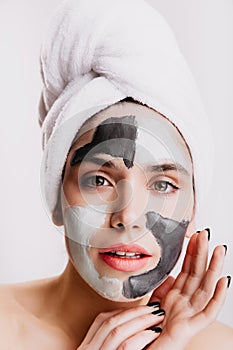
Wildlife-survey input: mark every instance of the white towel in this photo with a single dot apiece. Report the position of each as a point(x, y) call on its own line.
point(96, 53)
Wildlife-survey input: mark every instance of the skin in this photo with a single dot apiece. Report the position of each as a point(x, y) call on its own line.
point(52, 313)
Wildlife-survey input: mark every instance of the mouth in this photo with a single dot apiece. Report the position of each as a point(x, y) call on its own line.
point(127, 258)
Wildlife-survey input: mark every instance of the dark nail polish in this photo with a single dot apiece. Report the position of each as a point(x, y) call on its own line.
point(228, 282)
point(198, 231)
point(156, 329)
point(159, 312)
point(225, 246)
point(208, 230)
point(154, 304)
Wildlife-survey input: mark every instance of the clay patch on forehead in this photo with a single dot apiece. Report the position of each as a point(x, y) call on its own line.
point(170, 235)
point(115, 137)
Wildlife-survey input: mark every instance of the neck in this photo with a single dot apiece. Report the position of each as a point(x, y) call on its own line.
point(79, 304)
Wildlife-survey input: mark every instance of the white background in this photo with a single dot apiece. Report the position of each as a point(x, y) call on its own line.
point(30, 246)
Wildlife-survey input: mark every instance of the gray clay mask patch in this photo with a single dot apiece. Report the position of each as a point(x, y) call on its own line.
point(169, 234)
point(115, 137)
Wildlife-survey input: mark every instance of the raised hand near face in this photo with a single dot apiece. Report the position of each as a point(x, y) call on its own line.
point(194, 299)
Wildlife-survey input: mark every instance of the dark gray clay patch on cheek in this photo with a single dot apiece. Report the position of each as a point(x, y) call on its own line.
point(170, 235)
point(114, 136)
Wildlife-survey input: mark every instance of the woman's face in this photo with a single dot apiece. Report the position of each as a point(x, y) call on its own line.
point(127, 200)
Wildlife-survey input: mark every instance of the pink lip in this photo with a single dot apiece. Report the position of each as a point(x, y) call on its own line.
point(125, 264)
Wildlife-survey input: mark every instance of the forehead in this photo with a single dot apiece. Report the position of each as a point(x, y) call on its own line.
point(156, 135)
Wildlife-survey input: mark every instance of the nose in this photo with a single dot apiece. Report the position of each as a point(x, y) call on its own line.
point(128, 211)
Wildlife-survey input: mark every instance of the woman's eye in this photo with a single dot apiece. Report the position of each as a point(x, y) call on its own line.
point(95, 181)
point(164, 186)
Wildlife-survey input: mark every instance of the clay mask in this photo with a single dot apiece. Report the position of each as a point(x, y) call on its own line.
point(139, 142)
point(171, 244)
point(115, 136)
point(134, 286)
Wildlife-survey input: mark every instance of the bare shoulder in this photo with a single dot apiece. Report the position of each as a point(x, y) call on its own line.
point(20, 322)
point(6, 315)
point(7, 306)
point(24, 295)
point(216, 336)
point(13, 314)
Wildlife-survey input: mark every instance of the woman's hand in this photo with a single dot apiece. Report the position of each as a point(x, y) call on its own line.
point(195, 298)
point(124, 329)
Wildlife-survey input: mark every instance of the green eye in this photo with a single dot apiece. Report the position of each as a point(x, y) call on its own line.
point(164, 186)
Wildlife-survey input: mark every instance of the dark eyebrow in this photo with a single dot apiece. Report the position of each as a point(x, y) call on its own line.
point(102, 162)
point(94, 159)
point(159, 168)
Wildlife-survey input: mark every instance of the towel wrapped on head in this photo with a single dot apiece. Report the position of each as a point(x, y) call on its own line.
point(96, 53)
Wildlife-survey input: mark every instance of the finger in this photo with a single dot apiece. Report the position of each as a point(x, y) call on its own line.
point(210, 312)
point(97, 323)
point(160, 292)
point(186, 267)
point(207, 286)
point(198, 265)
point(106, 321)
point(140, 340)
point(124, 324)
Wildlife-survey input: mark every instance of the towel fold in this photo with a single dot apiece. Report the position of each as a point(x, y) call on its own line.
point(96, 53)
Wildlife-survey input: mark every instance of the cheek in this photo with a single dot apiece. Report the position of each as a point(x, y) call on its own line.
point(185, 203)
point(170, 235)
point(177, 205)
point(110, 288)
point(81, 223)
point(71, 195)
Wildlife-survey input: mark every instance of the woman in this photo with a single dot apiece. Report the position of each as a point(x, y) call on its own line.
point(86, 307)
point(126, 199)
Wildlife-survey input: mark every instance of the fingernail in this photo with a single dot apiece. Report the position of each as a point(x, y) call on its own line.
point(154, 304)
point(159, 312)
point(198, 231)
point(225, 246)
point(156, 329)
point(228, 282)
point(208, 230)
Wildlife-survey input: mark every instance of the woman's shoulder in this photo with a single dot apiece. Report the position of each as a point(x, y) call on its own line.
point(9, 308)
point(12, 317)
point(20, 321)
point(6, 309)
point(23, 296)
point(17, 307)
point(216, 336)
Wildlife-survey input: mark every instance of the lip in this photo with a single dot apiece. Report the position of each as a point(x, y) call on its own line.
point(125, 264)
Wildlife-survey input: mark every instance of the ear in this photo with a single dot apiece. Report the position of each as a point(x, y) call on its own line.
point(57, 216)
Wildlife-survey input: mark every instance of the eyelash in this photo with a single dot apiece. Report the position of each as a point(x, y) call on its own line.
point(84, 183)
point(174, 187)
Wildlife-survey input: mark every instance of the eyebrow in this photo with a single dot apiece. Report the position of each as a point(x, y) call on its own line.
point(158, 168)
point(96, 160)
